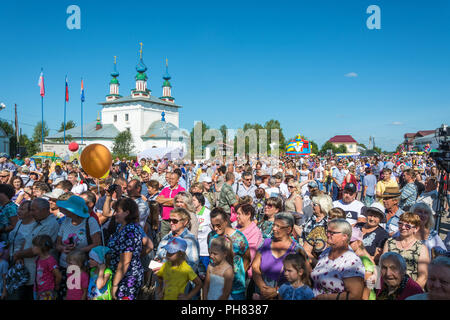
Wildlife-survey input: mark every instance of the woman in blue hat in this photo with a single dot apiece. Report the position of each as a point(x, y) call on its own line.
point(78, 231)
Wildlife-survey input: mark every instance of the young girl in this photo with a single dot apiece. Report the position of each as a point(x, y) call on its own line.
point(297, 276)
point(220, 274)
point(48, 276)
point(176, 273)
point(370, 276)
point(100, 275)
point(76, 287)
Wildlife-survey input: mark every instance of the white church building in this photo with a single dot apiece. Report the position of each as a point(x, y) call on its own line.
point(152, 121)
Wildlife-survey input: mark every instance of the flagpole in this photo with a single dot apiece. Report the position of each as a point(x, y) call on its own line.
point(82, 119)
point(65, 94)
point(42, 124)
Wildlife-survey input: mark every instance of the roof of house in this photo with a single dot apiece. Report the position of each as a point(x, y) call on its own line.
point(343, 139)
point(157, 130)
point(150, 99)
point(108, 131)
point(424, 133)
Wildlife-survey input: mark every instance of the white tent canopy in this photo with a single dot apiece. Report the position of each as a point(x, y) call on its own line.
point(171, 153)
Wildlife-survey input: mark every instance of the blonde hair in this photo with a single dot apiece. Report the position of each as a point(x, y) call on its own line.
point(422, 206)
point(186, 197)
point(225, 245)
point(78, 257)
point(324, 201)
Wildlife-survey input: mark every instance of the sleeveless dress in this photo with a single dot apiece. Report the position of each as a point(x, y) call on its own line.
point(411, 256)
point(216, 284)
point(290, 204)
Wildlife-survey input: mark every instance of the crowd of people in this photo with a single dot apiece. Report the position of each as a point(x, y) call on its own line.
point(253, 229)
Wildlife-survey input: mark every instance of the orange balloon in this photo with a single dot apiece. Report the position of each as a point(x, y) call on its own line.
point(96, 160)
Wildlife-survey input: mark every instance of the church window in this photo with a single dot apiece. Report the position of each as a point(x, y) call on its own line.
point(115, 118)
point(126, 116)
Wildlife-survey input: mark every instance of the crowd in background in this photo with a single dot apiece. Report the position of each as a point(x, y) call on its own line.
point(252, 229)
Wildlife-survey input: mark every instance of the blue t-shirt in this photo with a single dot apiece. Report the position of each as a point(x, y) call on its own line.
point(288, 292)
point(371, 182)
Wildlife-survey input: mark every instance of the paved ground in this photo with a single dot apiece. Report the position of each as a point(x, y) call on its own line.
point(445, 226)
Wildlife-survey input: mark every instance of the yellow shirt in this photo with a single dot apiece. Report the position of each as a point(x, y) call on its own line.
point(382, 185)
point(175, 279)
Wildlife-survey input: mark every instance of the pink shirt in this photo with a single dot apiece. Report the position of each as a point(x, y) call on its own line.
point(254, 238)
point(169, 193)
point(77, 294)
point(45, 280)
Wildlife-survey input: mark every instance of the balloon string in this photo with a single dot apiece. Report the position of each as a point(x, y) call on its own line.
point(98, 192)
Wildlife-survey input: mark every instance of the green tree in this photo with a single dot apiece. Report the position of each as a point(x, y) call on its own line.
point(69, 125)
point(341, 149)
point(328, 146)
point(123, 144)
point(377, 149)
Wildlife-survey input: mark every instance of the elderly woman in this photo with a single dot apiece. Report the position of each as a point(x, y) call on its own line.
point(184, 200)
point(77, 231)
point(179, 222)
point(438, 283)
point(430, 237)
point(395, 282)
point(221, 225)
point(16, 240)
point(204, 227)
point(339, 273)
point(374, 235)
point(273, 206)
point(126, 248)
point(246, 224)
point(410, 248)
point(268, 263)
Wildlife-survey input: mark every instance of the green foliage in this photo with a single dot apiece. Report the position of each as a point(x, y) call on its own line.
point(328, 146)
point(69, 125)
point(342, 149)
point(123, 144)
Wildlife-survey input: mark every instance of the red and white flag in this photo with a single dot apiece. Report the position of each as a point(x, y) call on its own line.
point(41, 84)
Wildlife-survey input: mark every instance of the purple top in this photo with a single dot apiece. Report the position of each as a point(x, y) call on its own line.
point(271, 267)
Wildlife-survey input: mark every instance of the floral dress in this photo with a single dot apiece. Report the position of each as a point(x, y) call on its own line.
point(129, 239)
point(266, 228)
point(240, 246)
point(411, 256)
point(328, 275)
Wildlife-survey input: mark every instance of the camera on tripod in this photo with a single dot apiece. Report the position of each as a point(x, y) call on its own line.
point(442, 156)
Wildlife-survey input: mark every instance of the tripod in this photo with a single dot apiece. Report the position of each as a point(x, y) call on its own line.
point(442, 195)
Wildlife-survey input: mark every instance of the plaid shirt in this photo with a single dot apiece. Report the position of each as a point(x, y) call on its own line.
point(409, 195)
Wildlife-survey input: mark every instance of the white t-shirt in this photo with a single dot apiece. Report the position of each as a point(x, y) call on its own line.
point(78, 233)
point(273, 192)
point(352, 210)
point(204, 228)
point(79, 188)
point(284, 190)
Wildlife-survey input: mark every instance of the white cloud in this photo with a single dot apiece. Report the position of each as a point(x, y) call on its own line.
point(351, 75)
point(397, 123)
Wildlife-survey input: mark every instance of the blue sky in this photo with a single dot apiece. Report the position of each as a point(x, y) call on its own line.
point(239, 61)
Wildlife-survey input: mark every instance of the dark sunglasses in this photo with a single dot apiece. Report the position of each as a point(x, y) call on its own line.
point(175, 221)
point(406, 225)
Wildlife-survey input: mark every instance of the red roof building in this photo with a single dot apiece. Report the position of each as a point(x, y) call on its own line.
point(343, 139)
point(346, 140)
